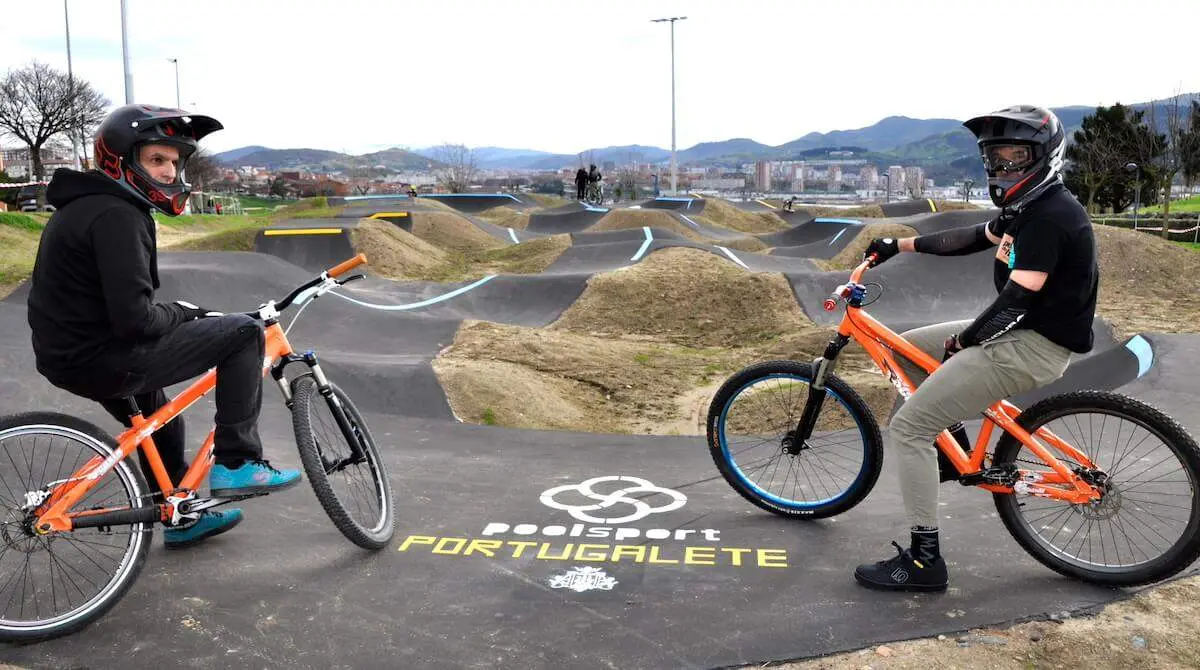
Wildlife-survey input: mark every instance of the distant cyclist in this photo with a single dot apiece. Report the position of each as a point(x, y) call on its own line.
point(1046, 275)
point(97, 331)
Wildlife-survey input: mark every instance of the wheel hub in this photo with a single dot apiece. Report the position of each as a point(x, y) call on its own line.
point(1103, 509)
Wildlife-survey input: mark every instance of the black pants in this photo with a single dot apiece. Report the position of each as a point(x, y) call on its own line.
point(233, 344)
point(581, 191)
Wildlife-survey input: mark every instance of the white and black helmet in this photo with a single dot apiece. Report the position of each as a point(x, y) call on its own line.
point(1022, 149)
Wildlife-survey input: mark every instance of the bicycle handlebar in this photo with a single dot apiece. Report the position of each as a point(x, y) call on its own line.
point(842, 292)
point(327, 275)
point(346, 266)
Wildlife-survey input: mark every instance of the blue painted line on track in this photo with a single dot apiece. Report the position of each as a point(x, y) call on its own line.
point(1141, 349)
point(645, 245)
point(418, 305)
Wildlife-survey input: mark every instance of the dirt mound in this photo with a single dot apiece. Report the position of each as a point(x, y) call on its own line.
point(1153, 629)
point(687, 296)
point(852, 254)
point(395, 253)
point(451, 231)
point(722, 214)
point(624, 219)
point(547, 201)
point(746, 244)
point(505, 216)
point(550, 379)
point(1147, 284)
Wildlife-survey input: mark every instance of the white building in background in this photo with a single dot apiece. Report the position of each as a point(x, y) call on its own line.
point(914, 179)
point(868, 176)
point(895, 181)
point(762, 176)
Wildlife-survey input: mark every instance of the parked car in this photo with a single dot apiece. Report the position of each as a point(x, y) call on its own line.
point(27, 198)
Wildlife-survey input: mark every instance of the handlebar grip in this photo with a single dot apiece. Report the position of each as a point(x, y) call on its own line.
point(830, 304)
point(346, 266)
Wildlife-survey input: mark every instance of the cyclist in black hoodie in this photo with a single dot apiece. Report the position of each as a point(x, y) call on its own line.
point(97, 331)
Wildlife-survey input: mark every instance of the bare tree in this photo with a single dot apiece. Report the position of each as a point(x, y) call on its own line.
point(1180, 145)
point(38, 102)
point(203, 170)
point(458, 167)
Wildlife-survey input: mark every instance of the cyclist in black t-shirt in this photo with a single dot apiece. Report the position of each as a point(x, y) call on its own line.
point(1046, 275)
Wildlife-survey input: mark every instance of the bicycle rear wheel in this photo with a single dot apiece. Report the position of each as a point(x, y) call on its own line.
point(55, 584)
point(1146, 527)
point(355, 492)
point(756, 410)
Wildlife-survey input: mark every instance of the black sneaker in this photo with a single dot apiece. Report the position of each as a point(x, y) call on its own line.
point(903, 573)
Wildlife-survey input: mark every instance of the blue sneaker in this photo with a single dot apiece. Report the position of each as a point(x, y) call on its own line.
point(210, 523)
point(252, 478)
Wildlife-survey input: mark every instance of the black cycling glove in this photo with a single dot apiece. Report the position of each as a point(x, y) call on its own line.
point(883, 248)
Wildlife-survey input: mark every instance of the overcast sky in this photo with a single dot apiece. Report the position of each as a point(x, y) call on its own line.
point(564, 76)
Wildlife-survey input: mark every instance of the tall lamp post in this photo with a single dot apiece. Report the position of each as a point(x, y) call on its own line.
point(674, 172)
point(71, 84)
point(887, 193)
point(125, 57)
point(1137, 190)
point(178, 105)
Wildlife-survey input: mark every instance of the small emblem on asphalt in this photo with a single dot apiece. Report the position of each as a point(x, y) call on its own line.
point(583, 579)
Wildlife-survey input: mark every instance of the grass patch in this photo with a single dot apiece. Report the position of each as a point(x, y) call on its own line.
point(1191, 204)
point(489, 417)
point(20, 221)
point(237, 239)
point(264, 203)
point(18, 248)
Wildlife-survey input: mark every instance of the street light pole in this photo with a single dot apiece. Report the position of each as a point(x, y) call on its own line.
point(178, 105)
point(71, 87)
point(887, 193)
point(125, 57)
point(674, 170)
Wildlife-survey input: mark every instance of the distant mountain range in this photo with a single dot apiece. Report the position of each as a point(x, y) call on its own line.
point(942, 146)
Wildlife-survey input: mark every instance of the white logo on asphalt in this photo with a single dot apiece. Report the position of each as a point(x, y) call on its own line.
point(583, 579)
point(641, 509)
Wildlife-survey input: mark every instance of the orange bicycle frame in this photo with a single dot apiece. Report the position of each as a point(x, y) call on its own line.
point(881, 345)
point(57, 516)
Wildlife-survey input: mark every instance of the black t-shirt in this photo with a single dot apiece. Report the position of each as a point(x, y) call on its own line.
point(1053, 235)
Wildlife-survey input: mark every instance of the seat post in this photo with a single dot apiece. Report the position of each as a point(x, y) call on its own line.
point(132, 405)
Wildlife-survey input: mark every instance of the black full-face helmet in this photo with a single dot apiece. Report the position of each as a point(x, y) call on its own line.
point(128, 128)
point(1022, 149)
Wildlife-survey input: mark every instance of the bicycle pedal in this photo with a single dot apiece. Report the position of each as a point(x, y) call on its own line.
point(996, 475)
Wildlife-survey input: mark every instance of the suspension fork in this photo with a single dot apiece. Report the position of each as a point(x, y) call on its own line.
point(349, 430)
point(822, 367)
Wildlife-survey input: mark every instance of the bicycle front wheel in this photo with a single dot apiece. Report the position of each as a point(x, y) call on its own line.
point(756, 410)
point(55, 584)
point(1146, 525)
point(352, 487)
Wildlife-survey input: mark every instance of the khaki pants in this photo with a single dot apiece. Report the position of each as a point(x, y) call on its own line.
point(971, 381)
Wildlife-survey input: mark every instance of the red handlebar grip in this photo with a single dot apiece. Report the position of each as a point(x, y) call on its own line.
point(830, 304)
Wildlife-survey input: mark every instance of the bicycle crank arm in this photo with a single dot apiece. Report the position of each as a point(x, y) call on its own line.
point(123, 517)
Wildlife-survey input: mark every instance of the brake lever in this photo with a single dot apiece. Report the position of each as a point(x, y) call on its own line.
point(347, 280)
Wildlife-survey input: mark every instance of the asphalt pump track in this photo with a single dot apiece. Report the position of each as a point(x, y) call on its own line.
point(543, 548)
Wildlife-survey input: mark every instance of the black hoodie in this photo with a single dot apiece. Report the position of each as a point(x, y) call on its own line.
point(91, 296)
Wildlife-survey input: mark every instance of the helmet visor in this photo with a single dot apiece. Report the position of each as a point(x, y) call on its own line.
point(1008, 158)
